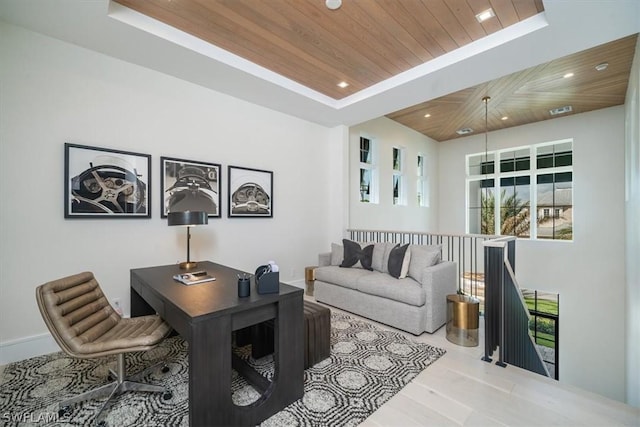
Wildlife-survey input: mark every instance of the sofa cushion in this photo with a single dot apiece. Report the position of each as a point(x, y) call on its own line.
point(406, 290)
point(345, 277)
point(423, 256)
point(399, 258)
point(380, 259)
point(356, 256)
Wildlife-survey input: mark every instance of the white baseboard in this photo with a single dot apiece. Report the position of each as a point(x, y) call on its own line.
point(27, 347)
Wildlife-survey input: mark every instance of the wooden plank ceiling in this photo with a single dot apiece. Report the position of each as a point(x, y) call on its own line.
point(527, 96)
point(362, 43)
point(367, 41)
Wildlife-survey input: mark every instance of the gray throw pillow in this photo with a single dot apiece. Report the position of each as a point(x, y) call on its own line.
point(337, 254)
point(423, 256)
point(380, 258)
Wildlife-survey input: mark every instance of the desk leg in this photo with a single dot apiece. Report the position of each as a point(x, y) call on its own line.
point(139, 307)
point(289, 351)
point(210, 373)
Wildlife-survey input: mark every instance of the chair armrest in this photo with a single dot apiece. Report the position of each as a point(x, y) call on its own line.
point(324, 259)
point(439, 281)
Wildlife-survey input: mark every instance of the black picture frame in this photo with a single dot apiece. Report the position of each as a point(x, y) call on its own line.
point(190, 185)
point(250, 193)
point(106, 183)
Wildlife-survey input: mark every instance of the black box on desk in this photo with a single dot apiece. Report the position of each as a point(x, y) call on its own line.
point(268, 283)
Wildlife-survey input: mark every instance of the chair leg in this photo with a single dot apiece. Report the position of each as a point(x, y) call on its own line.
point(96, 393)
point(117, 387)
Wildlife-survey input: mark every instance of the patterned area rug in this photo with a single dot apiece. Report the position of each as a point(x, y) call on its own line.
point(367, 367)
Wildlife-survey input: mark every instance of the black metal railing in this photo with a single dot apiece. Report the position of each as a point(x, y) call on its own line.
point(464, 249)
point(506, 313)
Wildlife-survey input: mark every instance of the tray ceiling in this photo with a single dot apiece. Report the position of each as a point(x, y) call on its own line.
point(362, 43)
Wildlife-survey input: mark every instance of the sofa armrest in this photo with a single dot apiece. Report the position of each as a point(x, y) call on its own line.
point(324, 259)
point(438, 281)
point(440, 278)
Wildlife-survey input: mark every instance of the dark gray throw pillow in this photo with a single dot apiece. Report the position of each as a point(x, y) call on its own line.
point(396, 259)
point(354, 253)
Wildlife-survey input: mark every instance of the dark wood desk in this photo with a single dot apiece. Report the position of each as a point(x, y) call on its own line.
point(205, 315)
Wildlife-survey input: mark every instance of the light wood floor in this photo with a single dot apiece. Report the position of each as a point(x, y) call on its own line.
point(459, 389)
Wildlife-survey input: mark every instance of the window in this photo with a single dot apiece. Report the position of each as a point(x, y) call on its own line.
point(367, 171)
point(529, 195)
point(398, 176)
point(422, 188)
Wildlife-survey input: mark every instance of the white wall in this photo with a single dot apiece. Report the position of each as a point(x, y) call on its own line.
point(384, 215)
point(588, 273)
point(52, 92)
point(632, 198)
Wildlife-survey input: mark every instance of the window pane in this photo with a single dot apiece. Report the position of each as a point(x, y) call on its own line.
point(479, 165)
point(421, 166)
point(365, 150)
point(514, 160)
point(365, 185)
point(555, 206)
point(397, 189)
point(556, 155)
point(515, 206)
point(397, 166)
point(481, 207)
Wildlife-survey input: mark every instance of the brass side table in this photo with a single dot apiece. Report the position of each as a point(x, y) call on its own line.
point(309, 279)
point(463, 314)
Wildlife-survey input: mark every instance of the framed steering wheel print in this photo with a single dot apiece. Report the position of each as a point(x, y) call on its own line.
point(250, 193)
point(106, 183)
point(189, 185)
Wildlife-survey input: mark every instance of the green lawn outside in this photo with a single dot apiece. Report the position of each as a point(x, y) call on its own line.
point(544, 305)
point(545, 339)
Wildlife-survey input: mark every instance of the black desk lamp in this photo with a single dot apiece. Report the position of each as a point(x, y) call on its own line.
point(188, 219)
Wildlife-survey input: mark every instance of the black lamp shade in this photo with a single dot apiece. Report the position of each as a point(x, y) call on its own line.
point(187, 218)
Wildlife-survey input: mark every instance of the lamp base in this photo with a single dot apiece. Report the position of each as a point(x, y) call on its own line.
point(187, 265)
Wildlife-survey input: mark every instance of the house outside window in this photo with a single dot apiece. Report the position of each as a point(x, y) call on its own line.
point(368, 172)
point(517, 195)
point(398, 176)
point(422, 188)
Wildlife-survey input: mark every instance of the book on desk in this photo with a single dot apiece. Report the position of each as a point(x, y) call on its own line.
point(194, 278)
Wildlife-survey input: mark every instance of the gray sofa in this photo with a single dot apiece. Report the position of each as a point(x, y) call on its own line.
point(416, 303)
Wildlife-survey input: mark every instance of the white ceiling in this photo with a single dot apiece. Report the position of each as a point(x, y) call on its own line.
point(565, 27)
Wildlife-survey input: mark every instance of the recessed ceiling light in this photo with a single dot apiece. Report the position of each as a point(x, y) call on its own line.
point(566, 76)
point(603, 66)
point(343, 84)
point(484, 15)
point(504, 118)
point(464, 131)
point(427, 115)
point(333, 4)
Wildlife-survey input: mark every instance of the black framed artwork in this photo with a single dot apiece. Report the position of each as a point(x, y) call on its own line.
point(106, 183)
point(250, 193)
point(189, 185)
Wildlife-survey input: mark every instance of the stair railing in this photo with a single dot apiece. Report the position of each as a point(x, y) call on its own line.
point(506, 313)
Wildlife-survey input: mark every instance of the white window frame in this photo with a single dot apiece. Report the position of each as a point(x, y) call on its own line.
point(533, 172)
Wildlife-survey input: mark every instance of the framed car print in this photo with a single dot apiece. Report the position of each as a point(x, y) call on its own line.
point(106, 183)
point(250, 193)
point(189, 185)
